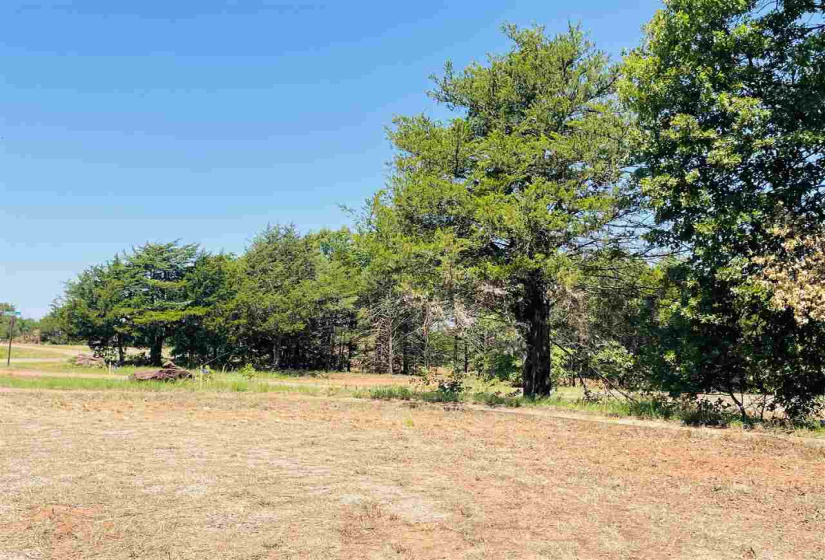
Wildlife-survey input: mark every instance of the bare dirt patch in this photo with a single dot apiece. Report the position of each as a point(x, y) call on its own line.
point(116, 475)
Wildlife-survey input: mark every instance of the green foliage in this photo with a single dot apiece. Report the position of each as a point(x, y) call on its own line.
point(406, 394)
point(90, 309)
point(295, 299)
point(517, 189)
point(202, 335)
point(53, 330)
point(138, 299)
point(731, 121)
point(501, 366)
point(248, 371)
point(287, 303)
point(156, 301)
point(451, 388)
point(515, 239)
point(561, 368)
point(498, 348)
point(615, 363)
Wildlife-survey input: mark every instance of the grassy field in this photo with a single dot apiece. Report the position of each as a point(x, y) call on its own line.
point(63, 366)
point(227, 384)
point(34, 351)
point(61, 375)
point(182, 474)
point(48, 351)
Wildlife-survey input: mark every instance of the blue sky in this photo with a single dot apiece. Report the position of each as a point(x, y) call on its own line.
point(205, 120)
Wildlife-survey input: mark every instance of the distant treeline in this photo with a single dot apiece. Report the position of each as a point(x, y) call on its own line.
point(656, 224)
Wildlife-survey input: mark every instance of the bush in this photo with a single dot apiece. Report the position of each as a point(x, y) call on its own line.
point(392, 393)
point(405, 394)
point(618, 365)
point(451, 386)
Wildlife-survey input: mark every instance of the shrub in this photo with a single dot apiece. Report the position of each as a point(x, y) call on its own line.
point(248, 371)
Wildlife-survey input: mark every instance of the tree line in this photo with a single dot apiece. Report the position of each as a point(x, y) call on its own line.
point(655, 223)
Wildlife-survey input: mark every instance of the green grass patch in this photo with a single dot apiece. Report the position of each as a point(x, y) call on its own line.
point(225, 384)
point(66, 367)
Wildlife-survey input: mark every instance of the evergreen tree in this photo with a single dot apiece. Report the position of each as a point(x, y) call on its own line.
point(523, 183)
point(155, 295)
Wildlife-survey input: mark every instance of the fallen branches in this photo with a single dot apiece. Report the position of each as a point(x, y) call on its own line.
point(169, 372)
point(87, 360)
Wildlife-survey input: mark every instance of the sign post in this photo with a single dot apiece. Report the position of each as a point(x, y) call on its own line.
point(14, 315)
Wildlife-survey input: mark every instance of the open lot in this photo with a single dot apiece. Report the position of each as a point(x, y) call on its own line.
point(112, 474)
point(41, 351)
point(347, 381)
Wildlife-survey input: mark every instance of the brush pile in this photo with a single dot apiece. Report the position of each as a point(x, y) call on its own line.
point(169, 372)
point(87, 360)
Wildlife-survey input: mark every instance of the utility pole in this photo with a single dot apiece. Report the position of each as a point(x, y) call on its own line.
point(13, 315)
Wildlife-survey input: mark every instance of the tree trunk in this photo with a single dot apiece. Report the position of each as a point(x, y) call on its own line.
point(121, 355)
point(389, 350)
point(330, 349)
point(455, 352)
point(534, 314)
point(156, 352)
point(276, 353)
point(339, 366)
point(405, 348)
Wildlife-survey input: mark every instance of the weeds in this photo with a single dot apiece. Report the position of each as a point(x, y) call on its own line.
point(406, 394)
point(495, 399)
point(696, 412)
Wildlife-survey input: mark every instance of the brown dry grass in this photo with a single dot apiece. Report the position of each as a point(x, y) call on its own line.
point(117, 475)
point(53, 349)
point(361, 380)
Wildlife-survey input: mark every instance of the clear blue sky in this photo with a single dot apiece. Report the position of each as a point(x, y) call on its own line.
point(204, 120)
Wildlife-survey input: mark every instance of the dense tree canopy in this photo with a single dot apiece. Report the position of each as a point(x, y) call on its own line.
point(729, 97)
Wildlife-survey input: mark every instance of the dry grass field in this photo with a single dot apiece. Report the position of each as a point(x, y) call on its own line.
point(110, 474)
